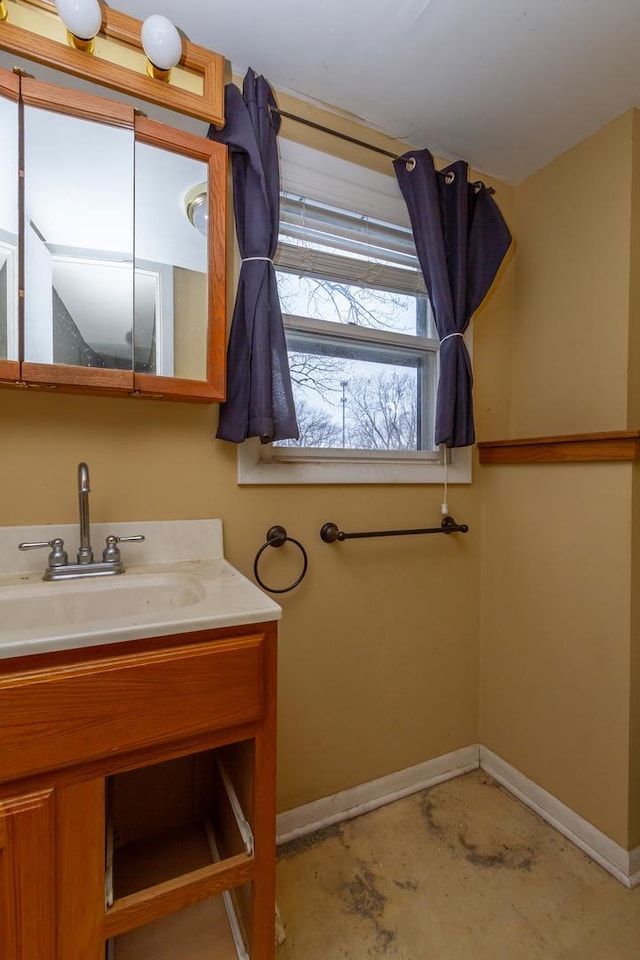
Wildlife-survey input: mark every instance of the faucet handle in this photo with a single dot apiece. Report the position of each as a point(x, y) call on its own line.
point(58, 555)
point(111, 553)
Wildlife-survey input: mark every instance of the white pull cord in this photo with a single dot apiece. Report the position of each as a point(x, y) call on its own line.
point(444, 506)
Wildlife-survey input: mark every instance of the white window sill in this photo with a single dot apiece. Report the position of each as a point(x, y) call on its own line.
point(257, 465)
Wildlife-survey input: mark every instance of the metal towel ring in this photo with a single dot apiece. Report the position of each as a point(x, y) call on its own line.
point(277, 536)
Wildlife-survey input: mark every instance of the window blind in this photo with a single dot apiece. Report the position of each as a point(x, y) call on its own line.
point(330, 243)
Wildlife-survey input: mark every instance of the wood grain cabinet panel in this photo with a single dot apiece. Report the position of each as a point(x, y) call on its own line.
point(27, 877)
point(51, 718)
point(92, 745)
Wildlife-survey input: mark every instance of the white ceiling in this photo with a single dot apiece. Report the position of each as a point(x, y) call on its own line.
point(505, 84)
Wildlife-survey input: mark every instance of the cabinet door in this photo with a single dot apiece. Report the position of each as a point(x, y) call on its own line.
point(180, 230)
point(27, 877)
point(77, 239)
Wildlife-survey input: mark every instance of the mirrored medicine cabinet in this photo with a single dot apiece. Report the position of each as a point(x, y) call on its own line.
point(112, 247)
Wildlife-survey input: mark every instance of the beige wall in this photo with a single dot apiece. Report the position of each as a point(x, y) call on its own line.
point(190, 330)
point(557, 559)
point(570, 353)
point(634, 420)
point(555, 631)
point(378, 649)
point(634, 279)
point(377, 654)
point(523, 633)
point(634, 672)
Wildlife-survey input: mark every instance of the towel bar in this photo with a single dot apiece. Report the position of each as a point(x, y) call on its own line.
point(331, 533)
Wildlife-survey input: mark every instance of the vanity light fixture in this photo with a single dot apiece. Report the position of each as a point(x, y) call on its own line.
point(162, 44)
point(196, 203)
point(83, 19)
point(35, 29)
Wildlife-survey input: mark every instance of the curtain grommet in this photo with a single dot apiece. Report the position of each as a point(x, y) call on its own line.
point(449, 177)
point(410, 164)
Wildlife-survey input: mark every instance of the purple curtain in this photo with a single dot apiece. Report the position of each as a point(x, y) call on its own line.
point(461, 239)
point(259, 398)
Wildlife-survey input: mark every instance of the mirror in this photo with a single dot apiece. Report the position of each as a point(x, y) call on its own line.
point(115, 271)
point(78, 241)
point(9, 153)
point(171, 272)
point(124, 280)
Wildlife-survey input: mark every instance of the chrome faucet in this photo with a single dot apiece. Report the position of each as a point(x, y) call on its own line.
point(59, 568)
point(85, 551)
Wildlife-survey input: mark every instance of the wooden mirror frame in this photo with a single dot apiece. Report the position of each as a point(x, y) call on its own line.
point(103, 381)
point(10, 89)
point(215, 156)
point(85, 106)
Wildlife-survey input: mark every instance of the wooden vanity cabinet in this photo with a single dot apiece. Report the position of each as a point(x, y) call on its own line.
point(110, 758)
point(27, 875)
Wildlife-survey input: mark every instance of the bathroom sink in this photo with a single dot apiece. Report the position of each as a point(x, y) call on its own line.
point(50, 605)
point(176, 582)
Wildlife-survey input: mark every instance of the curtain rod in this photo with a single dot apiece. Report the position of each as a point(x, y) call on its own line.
point(345, 136)
point(334, 133)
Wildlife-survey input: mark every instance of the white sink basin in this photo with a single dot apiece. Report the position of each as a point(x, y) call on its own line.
point(175, 582)
point(50, 605)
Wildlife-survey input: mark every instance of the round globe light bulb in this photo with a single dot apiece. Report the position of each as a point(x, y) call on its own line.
point(197, 206)
point(82, 18)
point(161, 42)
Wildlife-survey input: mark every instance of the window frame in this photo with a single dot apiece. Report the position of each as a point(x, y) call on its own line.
point(371, 340)
point(328, 179)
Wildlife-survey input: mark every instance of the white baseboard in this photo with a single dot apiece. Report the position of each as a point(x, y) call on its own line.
point(634, 867)
point(376, 793)
point(624, 865)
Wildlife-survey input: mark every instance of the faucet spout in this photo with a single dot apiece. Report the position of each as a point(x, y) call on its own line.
point(85, 552)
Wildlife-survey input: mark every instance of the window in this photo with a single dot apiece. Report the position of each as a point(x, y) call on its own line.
point(359, 330)
point(363, 351)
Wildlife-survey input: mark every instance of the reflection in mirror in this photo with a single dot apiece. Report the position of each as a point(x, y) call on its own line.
point(78, 241)
point(171, 302)
point(9, 154)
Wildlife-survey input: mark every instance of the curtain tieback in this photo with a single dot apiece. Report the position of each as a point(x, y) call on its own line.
point(246, 259)
point(449, 335)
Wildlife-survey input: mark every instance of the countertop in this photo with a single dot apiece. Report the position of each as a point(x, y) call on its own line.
point(177, 581)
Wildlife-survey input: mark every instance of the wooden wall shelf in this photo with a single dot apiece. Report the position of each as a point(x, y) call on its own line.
point(569, 448)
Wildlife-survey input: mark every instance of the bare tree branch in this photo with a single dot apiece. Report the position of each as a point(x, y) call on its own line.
point(364, 306)
point(382, 412)
point(381, 409)
point(315, 371)
point(340, 302)
point(316, 428)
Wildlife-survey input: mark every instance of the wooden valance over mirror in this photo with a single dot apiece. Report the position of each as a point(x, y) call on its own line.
point(195, 86)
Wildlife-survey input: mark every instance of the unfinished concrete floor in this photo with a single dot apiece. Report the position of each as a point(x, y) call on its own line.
point(462, 871)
